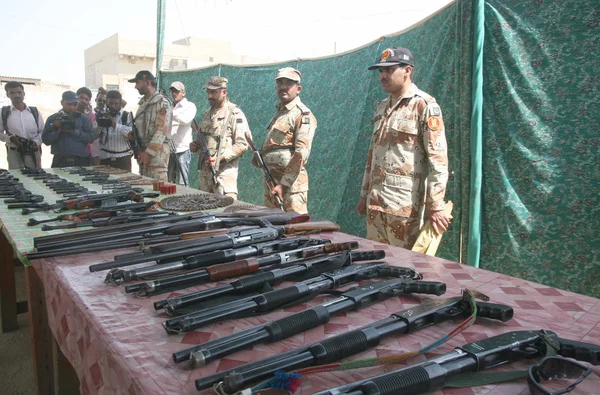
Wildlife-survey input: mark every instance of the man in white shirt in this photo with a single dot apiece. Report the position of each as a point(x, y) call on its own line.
point(184, 112)
point(21, 129)
point(115, 148)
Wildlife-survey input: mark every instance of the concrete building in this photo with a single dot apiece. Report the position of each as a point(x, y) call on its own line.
point(111, 62)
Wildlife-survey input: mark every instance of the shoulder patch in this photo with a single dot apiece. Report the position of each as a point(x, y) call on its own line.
point(305, 120)
point(435, 110)
point(165, 104)
point(434, 123)
point(239, 120)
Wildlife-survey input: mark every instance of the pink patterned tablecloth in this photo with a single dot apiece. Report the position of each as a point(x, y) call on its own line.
point(117, 345)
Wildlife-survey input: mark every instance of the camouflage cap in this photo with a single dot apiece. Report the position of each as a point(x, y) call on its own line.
point(394, 56)
point(290, 73)
point(216, 82)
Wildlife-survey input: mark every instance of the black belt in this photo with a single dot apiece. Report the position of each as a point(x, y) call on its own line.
point(115, 152)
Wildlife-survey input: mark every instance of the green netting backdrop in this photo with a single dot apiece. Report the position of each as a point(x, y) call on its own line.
point(342, 94)
point(540, 130)
point(541, 136)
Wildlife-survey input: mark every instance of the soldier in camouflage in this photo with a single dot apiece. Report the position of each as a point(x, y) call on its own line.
point(224, 126)
point(288, 143)
point(153, 124)
point(407, 163)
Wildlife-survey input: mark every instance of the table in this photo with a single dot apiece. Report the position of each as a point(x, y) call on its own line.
point(116, 344)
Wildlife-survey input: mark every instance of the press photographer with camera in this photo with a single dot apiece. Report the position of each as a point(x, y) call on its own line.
point(21, 129)
point(85, 107)
point(115, 133)
point(68, 132)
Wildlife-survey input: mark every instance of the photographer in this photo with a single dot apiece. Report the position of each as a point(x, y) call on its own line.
point(115, 133)
point(68, 132)
point(84, 95)
point(21, 129)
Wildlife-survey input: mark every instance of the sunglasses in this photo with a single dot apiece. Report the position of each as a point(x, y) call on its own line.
point(556, 375)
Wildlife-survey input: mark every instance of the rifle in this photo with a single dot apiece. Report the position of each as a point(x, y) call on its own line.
point(83, 215)
point(350, 300)
point(268, 179)
point(304, 290)
point(216, 272)
point(148, 232)
point(94, 201)
point(292, 269)
point(205, 154)
point(110, 219)
point(432, 374)
point(232, 239)
point(222, 260)
point(429, 312)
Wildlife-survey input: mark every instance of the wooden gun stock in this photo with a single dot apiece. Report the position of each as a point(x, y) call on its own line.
point(322, 226)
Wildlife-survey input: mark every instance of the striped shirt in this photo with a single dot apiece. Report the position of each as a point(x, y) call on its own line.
point(113, 141)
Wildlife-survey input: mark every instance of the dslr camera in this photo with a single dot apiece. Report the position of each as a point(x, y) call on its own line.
point(66, 121)
point(103, 119)
point(28, 147)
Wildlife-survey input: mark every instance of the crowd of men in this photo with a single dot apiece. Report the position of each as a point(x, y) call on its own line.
point(406, 168)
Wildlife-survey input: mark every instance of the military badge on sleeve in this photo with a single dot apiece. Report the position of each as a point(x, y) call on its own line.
point(434, 123)
point(305, 120)
point(435, 110)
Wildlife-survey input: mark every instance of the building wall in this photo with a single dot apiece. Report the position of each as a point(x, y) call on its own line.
point(119, 59)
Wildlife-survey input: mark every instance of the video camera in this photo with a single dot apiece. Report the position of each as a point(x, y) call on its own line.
point(66, 121)
point(103, 119)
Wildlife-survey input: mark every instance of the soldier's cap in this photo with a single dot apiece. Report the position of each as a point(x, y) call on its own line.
point(143, 75)
point(290, 73)
point(70, 97)
point(394, 56)
point(216, 82)
point(178, 86)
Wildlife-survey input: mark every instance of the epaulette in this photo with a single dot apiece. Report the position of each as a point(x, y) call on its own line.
point(425, 96)
point(303, 108)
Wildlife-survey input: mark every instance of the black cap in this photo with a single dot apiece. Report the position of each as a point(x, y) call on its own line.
point(143, 75)
point(393, 56)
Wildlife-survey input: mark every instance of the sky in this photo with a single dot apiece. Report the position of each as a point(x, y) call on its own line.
point(47, 39)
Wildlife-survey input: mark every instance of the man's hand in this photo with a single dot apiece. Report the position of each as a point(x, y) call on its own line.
point(130, 136)
point(16, 141)
point(440, 221)
point(361, 207)
point(194, 146)
point(144, 159)
point(279, 190)
point(114, 124)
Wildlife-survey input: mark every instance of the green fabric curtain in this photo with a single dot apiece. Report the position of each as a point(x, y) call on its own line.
point(541, 122)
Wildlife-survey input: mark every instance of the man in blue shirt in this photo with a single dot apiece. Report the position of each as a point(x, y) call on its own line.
point(68, 133)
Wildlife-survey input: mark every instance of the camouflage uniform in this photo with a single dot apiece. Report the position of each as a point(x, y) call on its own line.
point(285, 152)
point(153, 120)
point(407, 149)
point(226, 126)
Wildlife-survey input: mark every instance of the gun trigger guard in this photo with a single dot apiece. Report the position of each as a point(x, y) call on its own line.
point(170, 331)
point(112, 278)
